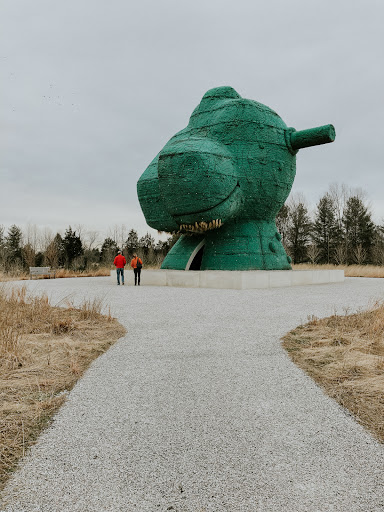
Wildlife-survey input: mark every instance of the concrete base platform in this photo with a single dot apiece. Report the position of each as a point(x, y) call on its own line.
point(237, 280)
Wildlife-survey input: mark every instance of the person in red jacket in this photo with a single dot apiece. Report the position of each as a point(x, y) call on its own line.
point(120, 263)
point(136, 264)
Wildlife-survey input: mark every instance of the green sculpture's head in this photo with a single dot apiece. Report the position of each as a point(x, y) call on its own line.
point(235, 159)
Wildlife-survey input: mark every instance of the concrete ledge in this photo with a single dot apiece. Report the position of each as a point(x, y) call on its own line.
point(237, 280)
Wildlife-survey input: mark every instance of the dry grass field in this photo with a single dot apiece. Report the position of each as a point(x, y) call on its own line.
point(345, 356)
point(61, 273)
point(349, 270)
point(43, 352)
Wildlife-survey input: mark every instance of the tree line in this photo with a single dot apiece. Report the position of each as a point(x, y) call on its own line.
point(75, 250)
point(340, 230)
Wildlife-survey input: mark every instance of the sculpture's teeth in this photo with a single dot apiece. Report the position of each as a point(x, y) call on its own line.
point(201, 227)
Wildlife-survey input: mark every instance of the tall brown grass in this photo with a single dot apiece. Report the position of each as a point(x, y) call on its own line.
point(345, 355)
point(60, 273)
point(349, 270)
point(43, 352)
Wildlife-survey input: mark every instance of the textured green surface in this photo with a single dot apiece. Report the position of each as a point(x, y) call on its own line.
point(222, 180)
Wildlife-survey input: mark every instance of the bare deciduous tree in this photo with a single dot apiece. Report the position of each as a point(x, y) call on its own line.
point(90, 237)
point(313, 252)
point(340, 254)
point(29, 255)
point(32, 237)
point(359, 254)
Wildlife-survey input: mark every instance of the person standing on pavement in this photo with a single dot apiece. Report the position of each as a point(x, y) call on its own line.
point(120, 263)
point(137, 265)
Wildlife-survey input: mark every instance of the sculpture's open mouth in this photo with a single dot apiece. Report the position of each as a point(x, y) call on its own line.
point(210, 218)
point(201, 227)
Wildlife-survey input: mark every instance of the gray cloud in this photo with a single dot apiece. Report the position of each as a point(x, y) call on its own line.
point(92, 90)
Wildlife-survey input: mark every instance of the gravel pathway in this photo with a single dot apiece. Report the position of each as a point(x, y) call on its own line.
point(199, 409)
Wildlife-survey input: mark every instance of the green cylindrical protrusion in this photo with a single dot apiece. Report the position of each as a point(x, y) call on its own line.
point(313, 137)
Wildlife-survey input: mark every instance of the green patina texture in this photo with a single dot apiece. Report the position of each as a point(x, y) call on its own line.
point(221, 182)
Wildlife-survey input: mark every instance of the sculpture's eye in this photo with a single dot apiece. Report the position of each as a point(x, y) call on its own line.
point(195, 175)
point(191, 165)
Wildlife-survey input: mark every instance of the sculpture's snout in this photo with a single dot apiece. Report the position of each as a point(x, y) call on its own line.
point(312, 137)
point(195, 175)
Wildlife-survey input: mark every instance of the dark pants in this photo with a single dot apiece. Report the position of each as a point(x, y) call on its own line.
point(137, 272)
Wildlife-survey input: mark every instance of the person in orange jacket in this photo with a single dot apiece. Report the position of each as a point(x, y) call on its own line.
point(120, 263)
point(136, 264)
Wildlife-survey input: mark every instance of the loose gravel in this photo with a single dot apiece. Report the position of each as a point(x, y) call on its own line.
point(200, 409)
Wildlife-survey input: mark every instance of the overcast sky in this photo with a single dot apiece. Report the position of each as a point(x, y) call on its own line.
point(91, 90)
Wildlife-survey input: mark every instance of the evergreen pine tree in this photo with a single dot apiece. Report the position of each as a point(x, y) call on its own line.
point(359, 230)
point(72, 246)
point(147, 242)
point(299, 232)
point(325, 230)
point(132, 242)
point(108, 251)
point(13, 244)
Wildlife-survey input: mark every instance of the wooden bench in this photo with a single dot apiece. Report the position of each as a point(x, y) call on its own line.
point(41, 271)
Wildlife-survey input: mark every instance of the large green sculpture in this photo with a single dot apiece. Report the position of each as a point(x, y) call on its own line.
point(221, 182)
